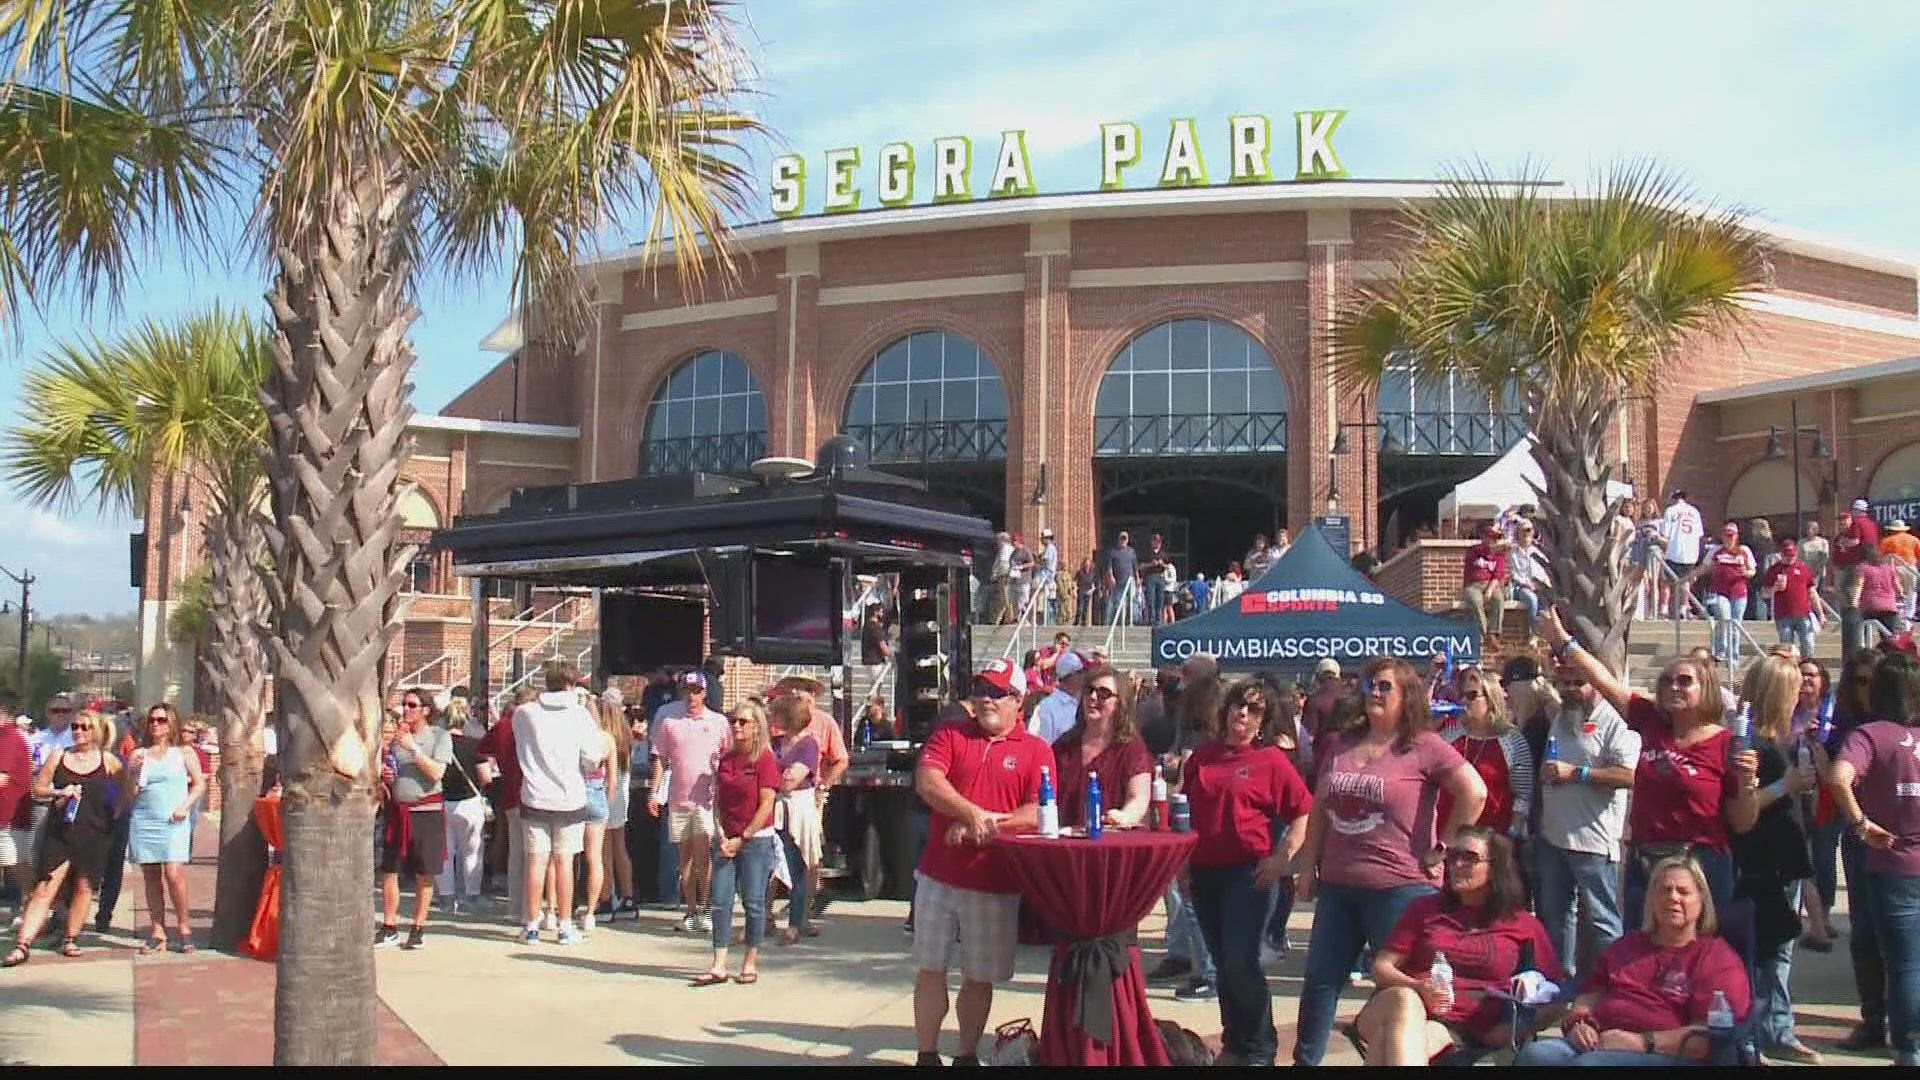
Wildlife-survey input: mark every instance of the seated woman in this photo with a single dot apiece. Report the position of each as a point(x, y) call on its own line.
point(1646, 1000)
point(1480, 922)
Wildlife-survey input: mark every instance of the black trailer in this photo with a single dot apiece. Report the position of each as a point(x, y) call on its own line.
point(759, 561)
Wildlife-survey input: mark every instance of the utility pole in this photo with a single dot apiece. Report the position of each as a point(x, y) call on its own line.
point(25, 580)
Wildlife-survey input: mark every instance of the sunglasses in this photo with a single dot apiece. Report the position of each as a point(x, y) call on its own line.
point(1464, 857)
point(989, 692)
point(1383, 687)
point(413, 704)
point(740, 721)
point(1101, 693)
point(160, 719)
point(1252, 705)
point(59, 712)
point(1678, 682)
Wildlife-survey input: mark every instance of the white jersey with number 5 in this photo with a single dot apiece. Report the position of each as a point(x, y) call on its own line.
point(1684, 531)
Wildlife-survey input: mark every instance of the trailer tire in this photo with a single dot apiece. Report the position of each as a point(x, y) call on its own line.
point(872, 862)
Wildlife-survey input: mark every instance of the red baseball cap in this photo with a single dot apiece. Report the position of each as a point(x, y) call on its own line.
point(1003, 674)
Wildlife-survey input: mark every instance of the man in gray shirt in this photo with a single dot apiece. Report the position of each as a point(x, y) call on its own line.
point(1585, 782)
point(1123, 564)
point(415, 837)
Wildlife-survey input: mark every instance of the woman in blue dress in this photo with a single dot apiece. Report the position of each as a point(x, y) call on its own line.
point(168, 783)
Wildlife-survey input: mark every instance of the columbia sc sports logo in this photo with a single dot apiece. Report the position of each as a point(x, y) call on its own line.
point(1283, 601)
point(1243, 772)
point(1009, 763)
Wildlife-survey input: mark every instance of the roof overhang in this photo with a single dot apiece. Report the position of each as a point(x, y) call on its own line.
point(1801, 384)
point(469, 426)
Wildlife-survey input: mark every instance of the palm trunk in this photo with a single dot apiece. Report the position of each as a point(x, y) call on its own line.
point(234, 660)
point(336, 403)
point(1571, 449)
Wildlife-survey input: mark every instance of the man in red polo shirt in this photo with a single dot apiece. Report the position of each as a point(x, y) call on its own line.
point(977, 776)
point(1789, 585)
point(1483, 580)
point(502, 770)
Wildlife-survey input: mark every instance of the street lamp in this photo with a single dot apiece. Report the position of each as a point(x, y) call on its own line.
point(1388, 445)
point(1818, 452)
point(25, 580)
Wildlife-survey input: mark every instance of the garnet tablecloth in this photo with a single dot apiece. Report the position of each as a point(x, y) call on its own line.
point(1095, 892)
point(263, 937)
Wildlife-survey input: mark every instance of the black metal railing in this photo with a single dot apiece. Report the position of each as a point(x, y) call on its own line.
point(1440, 434)
point(1174, 436)
point(927, 441)
point(703, 453)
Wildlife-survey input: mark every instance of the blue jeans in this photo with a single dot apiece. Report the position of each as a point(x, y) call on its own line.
point(1592, 880)
point(748, 872)
point(1345, 920)
point(1529, 602)
point(1156, 592)
point(1716, 865)
point(1233, 913)
point(1726, 632)
point(1824, 840)
point(1280, 905)
point(1550, 1052)
point(1184, 938)
point(797, 906)
point(1863, 943)
point(1772, 997)
point(1896, 926)
point(1797, 632)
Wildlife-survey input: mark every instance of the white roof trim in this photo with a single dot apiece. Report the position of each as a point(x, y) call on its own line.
point(425, 422)
point(1794, 307)
point(1826, 380)
point(1219, 199)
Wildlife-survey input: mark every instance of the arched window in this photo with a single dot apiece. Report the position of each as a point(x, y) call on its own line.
point(709, 415)
point(930, 396)
point(1447, 416)
point(1897, 479)
point(1191, 386)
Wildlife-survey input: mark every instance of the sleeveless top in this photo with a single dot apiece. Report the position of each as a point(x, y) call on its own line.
point(96, 796)
point(164, 785)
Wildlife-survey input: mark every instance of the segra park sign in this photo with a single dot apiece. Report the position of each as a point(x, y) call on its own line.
point(897, 175)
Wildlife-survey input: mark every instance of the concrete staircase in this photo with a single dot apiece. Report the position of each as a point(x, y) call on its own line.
point(1651, 644)
point(1130, 650)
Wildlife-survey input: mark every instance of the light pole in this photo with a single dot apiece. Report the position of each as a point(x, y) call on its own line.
point(25, 580)
point(1388, 445)
point(1818, 452)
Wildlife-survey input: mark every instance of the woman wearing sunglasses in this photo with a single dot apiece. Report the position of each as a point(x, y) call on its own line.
point(1242, 792)
point(1371, 848)
point(1104, 742)
point(744, 787)
point(1812, 710)
point(1691, 791)
point(167, 782)
point(1489, 742)
point(1481, 923)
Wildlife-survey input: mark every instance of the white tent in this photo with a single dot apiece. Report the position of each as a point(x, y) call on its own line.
point(1505, 484)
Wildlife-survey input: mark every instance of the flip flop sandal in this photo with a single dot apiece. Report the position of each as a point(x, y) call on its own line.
point(154, 945)
point(709, 979)
point(16, 956)
point(185, 948)
point(70, 947)
point(747, 978)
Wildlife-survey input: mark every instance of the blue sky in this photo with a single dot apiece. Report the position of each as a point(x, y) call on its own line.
point(1801, 113)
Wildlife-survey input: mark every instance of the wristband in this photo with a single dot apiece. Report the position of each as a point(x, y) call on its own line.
point(1778, 789)
point(1584, 773)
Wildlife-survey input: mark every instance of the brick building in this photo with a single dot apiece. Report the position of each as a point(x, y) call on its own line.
point(1150, 360)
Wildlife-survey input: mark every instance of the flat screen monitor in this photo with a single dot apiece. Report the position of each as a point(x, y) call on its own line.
point(796, 611)
point(641, 632)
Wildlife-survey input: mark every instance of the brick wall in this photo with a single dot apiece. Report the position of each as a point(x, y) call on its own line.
point(1425, 574)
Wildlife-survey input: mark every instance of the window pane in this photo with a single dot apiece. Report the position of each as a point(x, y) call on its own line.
point(733, 376)
point(1189, 395)
point(1232, 348)
point(924, 357)
point(860, 405)
point(963, 397)
point(706, 416)
point(890, 403)
point(963, 360)
point(891, 365)
point(993, 400)
point(682, 413)
point(1152, 349)
point(1266, 391)
point(657, 423)
point(706, 374)
point(923, 399)
point(733, 414)
point(1190, 345)
point(681, 384)
point(1112, 399)
point(1229, 392)
point(756, 412)
point(1150, 393)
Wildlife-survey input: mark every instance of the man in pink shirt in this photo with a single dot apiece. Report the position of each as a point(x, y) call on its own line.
point(688, 740)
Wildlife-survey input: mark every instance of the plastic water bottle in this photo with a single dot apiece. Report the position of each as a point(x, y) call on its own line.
point(1181, 817)
point(1157, 808)
point(1095, 827)
point(73, 809)
point(1049, 810)
point(1743, 729)
point(1806, 756)
point(1553, 748)
point(1441, 977)
point(1720, 1049)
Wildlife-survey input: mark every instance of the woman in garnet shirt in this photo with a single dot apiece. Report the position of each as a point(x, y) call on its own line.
point(1480, 921)
point(744, 842)
point(1495, 749)
point(1236, 791)
point(1374, 845)
point(1104, 742)
point(1646, 1000)
point(1690, 791)
point(1730, 564)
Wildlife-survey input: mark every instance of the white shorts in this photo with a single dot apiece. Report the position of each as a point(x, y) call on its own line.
point(550, 832)
point(983, 926)
point(16, 847)
point(619, 794)
point(685, 825)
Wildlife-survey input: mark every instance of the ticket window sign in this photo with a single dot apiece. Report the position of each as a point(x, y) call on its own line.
point(1338, 529)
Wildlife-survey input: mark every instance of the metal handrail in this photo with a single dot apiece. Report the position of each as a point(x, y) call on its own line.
point(1026, 610)
point(526, 618)
point(1121, 611)
point(1701, 609)
point(551, 640)
point(413, 678)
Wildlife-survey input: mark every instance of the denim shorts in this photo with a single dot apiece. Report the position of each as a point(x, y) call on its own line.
point(597, 809)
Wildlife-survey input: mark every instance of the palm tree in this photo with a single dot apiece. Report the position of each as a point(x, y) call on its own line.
point(386, 135)
point(1576, 303)
point(110, 419)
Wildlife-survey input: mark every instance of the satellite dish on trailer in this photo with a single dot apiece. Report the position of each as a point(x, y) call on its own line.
point(774, 470)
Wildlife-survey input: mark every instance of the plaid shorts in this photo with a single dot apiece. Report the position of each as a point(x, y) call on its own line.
point(16, 847)
point(983, 926)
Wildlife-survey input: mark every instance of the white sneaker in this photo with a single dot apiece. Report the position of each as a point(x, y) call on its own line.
point(703, 923)
point(586, 924)
point(688, 924)
point(568, 936)
point(550, 922)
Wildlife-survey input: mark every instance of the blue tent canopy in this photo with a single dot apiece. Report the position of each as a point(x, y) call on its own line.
point(1309, 605)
